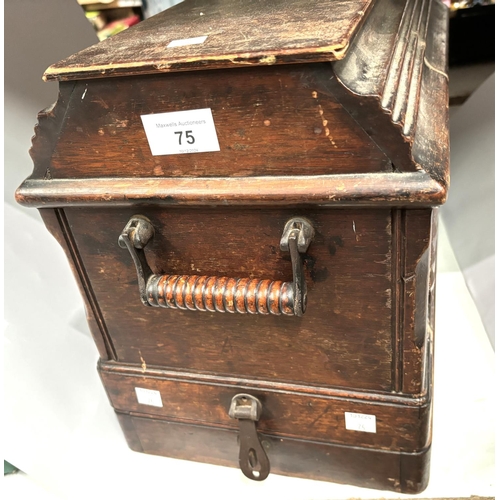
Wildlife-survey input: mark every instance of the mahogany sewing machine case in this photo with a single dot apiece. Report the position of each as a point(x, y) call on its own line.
point(246, 193)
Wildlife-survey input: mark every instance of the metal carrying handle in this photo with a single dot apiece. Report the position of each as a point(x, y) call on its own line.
point(221, 294)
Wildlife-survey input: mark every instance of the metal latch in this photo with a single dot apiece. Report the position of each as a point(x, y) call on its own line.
point(253, 460)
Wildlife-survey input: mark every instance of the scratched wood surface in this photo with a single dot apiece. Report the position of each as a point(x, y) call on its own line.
point(369, 468)
point(269, 121)
point(239, 32)
point(322, 419)
point(335, 343)
point(405, 78)
point(411, 190)
point(417, 288)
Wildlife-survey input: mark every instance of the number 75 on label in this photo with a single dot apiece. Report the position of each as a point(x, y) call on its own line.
point(181, 132)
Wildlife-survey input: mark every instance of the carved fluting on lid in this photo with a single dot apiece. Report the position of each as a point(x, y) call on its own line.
point(402, 86)
point(397, 64)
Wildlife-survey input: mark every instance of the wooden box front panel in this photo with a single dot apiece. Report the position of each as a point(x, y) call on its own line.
point(345, 339)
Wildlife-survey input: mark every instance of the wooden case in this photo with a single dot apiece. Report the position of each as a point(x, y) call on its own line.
point(332, 114)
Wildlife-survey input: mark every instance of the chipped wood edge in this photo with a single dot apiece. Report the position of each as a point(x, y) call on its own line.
point(409, 124)
point(323, 53)
point(264, 58)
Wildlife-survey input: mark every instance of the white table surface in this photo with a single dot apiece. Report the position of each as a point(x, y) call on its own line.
point(59, 428)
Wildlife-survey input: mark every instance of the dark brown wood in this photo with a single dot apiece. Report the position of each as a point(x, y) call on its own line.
point(55, 222)
point(129, 432)
point(240, 33)
point(284, 387)
point(305, 416)
point(269, 121)
point(397, 471)
point(349, 259)
point(331, 111)
point(351, 247)
point(407, 79)
point(371, 190)
point(415, 286)
point(47, 130)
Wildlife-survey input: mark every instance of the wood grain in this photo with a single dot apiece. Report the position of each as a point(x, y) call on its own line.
point(361, 190)
point(348, 264)
point(407, 79)
point(398, 427)
point(396, 471)
point(415, 278)
point(240, 32)
point(334, 111)
point(269, 121)
point(55, 222)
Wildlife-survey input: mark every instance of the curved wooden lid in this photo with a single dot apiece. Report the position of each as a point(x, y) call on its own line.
point(238, 33)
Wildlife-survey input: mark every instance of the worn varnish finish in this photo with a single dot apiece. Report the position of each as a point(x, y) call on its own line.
point(316, 418)
point(332, 331)
point(391, 470)
point(332, 111)
point(286, 121)
point(372, 190)
point(240, 33)
point(408, 80)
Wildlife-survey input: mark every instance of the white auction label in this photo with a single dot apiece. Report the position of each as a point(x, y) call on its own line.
point(187, 41)
point(181, 132)
point(148, 397)
point(360, 422)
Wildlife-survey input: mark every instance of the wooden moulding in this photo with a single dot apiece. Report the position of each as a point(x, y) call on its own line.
point(397, 189)
point(154, 372)
point(399, 94)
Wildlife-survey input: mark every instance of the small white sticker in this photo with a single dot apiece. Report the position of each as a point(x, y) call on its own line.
point(148, 397)
point(187, 41)
point(181, 132)
point(360, 422)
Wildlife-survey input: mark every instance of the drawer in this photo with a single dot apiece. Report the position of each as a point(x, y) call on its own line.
point(394, 423)
point(346, 338)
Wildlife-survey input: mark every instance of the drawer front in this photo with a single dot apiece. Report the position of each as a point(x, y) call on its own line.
point(387, 425)
point(344, 339)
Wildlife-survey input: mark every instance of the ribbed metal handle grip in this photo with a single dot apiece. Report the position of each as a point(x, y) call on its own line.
point(221, 294)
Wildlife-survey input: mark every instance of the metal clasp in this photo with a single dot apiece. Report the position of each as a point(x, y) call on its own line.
point(297, 236)
point(254, 462)
point(135, 236)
